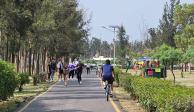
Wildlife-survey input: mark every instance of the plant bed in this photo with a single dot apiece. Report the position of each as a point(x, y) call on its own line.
point(159, 95)
point(23, 97)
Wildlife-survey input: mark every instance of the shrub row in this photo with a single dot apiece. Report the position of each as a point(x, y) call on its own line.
point(159, 95)
point(9, 80)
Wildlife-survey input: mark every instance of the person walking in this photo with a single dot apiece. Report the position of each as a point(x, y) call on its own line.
point(79, 72)
point(60, 67)
point(52, 69)
point(71, 68)
point(49, 70)
point(128, 65)
point(66, 72)
point(88, 68)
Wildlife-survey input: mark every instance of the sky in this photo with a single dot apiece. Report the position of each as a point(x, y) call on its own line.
point(135, 15)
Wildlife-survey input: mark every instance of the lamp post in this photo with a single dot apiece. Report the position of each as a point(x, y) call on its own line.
point(114, 45)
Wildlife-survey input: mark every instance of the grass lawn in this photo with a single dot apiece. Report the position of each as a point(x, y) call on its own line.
point(20, 98)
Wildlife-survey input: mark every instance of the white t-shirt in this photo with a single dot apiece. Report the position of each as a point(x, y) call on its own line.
point(60, 65)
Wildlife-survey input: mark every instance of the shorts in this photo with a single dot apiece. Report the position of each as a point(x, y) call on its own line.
point(60, 71)
point(110, 79)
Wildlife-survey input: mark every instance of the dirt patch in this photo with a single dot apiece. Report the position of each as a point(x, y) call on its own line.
point(127, 104)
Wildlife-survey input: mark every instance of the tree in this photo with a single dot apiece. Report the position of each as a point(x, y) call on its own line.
point(167, 26)
point(95, 46)
point(122, 42)
point(184, 20)
point(168, 56)
point(32, 31)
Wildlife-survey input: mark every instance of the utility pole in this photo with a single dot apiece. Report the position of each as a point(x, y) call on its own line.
point(114, 42)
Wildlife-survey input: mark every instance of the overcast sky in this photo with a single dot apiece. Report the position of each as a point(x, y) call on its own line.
point(135, 15)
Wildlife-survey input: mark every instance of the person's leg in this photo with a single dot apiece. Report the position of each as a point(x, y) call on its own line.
point(73, 73)
point(52, 75)
point(70, 73)
point(127, 69)
point(80, 76)
point(111, 82)
point(88, 70)
point(49, 76)
point(59, 75)
point(65, 79)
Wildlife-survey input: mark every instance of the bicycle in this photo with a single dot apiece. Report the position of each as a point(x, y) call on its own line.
point(107, 89)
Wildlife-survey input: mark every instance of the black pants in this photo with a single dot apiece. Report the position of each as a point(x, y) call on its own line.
point(49, 76)
point(71, 74)
point(88, 70)
point(79, 76)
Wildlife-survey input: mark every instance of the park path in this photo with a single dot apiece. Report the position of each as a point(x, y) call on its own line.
point(88, 97)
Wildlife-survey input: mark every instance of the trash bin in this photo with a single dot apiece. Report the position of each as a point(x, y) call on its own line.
point(157, 72)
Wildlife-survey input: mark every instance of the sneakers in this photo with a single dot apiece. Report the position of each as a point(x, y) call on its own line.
point(103, 83)
point(111, 95)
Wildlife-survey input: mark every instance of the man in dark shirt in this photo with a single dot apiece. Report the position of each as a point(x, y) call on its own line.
point(79, 72)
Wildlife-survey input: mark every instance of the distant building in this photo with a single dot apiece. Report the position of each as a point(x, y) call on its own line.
point(102, 58)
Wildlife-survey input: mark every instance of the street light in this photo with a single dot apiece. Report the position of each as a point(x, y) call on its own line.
point(114, 31)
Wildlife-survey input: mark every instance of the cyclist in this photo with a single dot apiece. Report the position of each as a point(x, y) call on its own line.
point(108, 74)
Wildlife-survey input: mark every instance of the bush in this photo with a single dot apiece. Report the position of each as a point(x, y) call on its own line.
point(23, 78)
point(8, 80)
point(42, 77)
point(117, 72)
point(159, 95)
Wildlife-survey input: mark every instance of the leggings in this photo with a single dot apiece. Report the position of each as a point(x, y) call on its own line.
point(79, 76)
point(71, 74)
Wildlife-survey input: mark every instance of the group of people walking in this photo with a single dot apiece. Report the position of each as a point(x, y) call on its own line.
point(68, 71)
point(65, 71)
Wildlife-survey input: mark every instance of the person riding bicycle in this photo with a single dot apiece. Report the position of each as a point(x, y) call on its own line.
point(108, 73)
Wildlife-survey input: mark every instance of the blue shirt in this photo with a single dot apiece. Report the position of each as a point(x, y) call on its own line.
point(107, 70)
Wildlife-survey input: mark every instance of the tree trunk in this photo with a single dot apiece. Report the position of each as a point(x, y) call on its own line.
point(18, 61)
point(25, 60)
point(30, 62)
point(33, 65)
point(185, 67)
point(35, 81)
point(44, 60)
point(189, 64)
point(182, 70)
point(7, 50)
point(172, 70)
point(13, 58)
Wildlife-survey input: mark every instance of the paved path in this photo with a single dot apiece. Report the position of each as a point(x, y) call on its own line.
point(88, 97)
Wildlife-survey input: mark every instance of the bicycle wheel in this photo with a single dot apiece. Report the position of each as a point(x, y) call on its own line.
point(107, 92)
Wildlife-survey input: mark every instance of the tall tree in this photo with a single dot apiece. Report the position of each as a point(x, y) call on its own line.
point(167, 26)
point(123, 42)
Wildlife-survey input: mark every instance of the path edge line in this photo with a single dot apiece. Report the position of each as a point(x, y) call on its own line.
point(116, 108)
point(26, 106)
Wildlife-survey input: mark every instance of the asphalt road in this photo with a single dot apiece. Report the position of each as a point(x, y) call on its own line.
point(88, 97)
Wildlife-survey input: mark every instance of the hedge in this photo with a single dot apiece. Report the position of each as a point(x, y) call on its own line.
point(8, 80)
point(158, 95)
